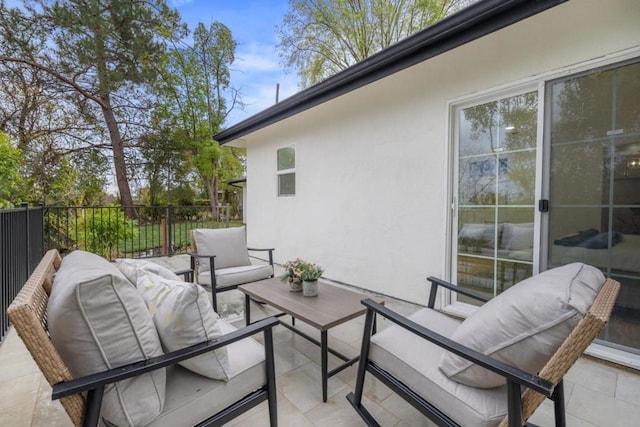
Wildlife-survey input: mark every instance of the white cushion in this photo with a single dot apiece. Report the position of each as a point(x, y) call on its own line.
point(192, 398)
point(98, 321)
point(414, 361)
point(229, 245)
point(517, 237)
point(133, 269)
point(526, 324)
point(478, 235)
point(183, 316)
point(237, 275)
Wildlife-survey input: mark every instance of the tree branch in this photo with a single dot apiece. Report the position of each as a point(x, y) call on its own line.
point(58, 76)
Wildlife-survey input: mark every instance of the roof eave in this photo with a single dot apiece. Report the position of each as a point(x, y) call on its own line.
point(471, 23)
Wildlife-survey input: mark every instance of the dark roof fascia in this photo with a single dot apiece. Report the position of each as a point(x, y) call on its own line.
point(471, 23)
point(235, 182)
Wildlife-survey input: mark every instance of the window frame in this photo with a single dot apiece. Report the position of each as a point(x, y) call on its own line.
point(288, 171)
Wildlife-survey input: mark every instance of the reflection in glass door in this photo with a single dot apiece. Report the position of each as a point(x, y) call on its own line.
point(496, 193)
point(594, 184)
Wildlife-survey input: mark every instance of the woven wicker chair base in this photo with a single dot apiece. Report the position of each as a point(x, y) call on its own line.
point(572, 348)
point(28, 313)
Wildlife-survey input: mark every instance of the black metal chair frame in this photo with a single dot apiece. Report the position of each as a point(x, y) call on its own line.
point(212, 265)
point(94, 384)
point(515, 377)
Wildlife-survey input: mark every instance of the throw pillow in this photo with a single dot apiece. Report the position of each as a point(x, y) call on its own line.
point(524, 325)
point(98, 321)
point(133, 269)
point(183, 316)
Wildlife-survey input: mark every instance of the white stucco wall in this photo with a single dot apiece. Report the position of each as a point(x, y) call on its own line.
point(373, 166)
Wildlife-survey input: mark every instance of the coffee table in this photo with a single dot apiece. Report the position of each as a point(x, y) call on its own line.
point(333, 306)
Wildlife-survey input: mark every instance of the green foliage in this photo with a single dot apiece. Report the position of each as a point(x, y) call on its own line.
point(98, 52)
point(11, 181)
point(321, 38)
point(196, 98)
point(100, 230)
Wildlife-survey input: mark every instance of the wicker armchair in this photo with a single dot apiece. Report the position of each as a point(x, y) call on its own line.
point(198, 395)
point(408, 357)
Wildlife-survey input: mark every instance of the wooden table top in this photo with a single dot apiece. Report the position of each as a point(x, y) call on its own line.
point(331, 307)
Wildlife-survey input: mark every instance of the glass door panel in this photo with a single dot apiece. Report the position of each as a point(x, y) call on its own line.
point(594, 184)
point(496, 183)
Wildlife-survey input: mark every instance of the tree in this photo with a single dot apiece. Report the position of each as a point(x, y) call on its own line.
point(10, 159)
point(321, 38)
point(197, 98)
point(96, 49)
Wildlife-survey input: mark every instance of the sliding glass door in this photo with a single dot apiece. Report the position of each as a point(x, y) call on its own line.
point(496, 168)
point(593, 135)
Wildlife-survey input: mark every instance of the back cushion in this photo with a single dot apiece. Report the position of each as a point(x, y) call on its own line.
point(524, 325)
point(98, 321)
point(478, 235)
point(229, 245)
point(517, 237)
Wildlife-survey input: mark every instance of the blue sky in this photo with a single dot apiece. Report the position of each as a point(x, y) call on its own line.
point(258, 67)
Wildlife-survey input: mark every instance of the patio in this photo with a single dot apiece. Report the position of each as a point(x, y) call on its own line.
point(597, 394)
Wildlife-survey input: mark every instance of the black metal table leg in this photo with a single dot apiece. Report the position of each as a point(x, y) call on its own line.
point(247, 309)
point(324, 349)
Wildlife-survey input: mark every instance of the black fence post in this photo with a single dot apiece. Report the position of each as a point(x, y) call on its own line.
point(169, 234)
point(42, 241)
point(25, 205)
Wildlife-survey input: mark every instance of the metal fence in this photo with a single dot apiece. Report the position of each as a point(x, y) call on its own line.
point(27, 233)
point(107, 231)
point(21, 247)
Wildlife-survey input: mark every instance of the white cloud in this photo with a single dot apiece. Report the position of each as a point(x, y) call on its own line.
point(256, 72)
point(259, 92)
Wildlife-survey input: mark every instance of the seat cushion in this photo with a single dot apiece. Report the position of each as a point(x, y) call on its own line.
point(192, 398)
point(526, 324)
point(98, 321)
point(229, 245)
point(414, 361)
point(183, 316)
point(133, 269)
point(226, 277)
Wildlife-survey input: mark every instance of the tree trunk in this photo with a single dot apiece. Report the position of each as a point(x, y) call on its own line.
point(212, 189)
point(118, 158)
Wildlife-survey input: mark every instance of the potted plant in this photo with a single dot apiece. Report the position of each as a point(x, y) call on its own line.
point(292, 274)
point(311, 272)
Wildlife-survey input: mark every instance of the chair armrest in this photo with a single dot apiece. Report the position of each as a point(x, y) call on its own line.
point(187, 273)
point(265, 249)
point(511, 373)
point(195, 255)
point(438, 282)
point(100, 379)
point(212, 262)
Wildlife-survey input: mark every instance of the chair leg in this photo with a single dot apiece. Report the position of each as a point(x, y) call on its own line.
point(214, 296)
point(514, 399)
point(364, 355)
point(271, 378)
point(92, 409)
point(214, 299)
point(558, 405)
